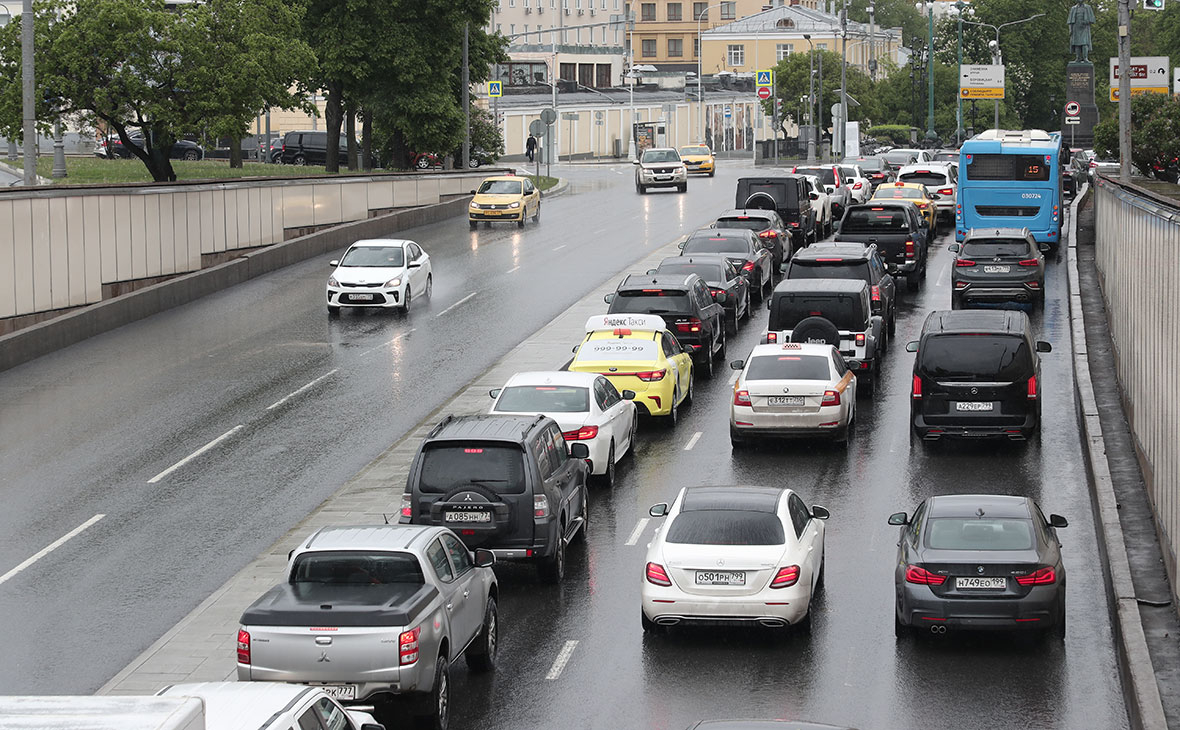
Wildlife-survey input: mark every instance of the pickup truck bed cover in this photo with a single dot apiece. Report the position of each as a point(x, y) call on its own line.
point(317, 604)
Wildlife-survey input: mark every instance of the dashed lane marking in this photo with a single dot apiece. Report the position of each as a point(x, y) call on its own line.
point(387, 343)
point(50, 548)
point(563, 658)
point(196, 453)
point(513, 270)
point(295, 393)
point(461, 301)
point(692, 441)
point(639, 528)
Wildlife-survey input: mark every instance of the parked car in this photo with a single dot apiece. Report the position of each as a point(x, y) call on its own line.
point(899, 232)
point(112, 147)
point(310, 147)
point(998, 266)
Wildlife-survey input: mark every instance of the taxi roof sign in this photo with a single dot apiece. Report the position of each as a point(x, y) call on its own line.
point(633, 322)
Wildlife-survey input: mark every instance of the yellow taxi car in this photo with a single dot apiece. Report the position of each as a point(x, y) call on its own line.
point(914, 193)
point(504, 198)
point(637, 352)
point(698, 158)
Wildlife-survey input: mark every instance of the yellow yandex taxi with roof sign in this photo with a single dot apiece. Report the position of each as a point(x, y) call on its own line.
point(637, 352)
point(504, 198)
point(913, 192)
point(698, 158)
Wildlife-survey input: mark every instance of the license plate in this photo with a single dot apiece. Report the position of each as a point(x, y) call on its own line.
point(984, 584)
point(721, 578)
point(469, 517)
point(340, 691)
point(785, 400)
point(974, 406)
point(360, 297)
point(996, 269)
point(492, 212)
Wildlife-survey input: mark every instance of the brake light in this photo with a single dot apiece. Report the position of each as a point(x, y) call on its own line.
point(964, 262)
point(657, 575)
point(858, 186)
point(715, 292)
point(1029, 262)
point(1093, 164)
point(407, 506)
point(692, 324)
point(947, 191)
point(749, 266)
point(1032, 388)
point(831, 398)
point(407, 646)
point(243, 646)
point(923, 577)
point(1039, 577)
point(793, 170)
point(540, 505)
point(769, 234)
point(860, 339)
point(771, 337)
point(909, 249)
point(786, 577)
point(741, 398)
point(876, 293)
point(916, 389)
point(651, 376)
point(621, 332)
point(922, 204)
point(580, 434)
point(795, 224)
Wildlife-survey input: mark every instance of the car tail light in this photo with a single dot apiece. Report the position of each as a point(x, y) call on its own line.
point(715, 292)
point(741, 398)
point(964, 262)
point(243, 646)
point(407, 506)
point(786, 577)
point(876, 292)
point(768, 234)
point(922, 204)
point(1039, 577)
point(793, 169)
point(916, 389)
point(909, 249)
point(651, 376)
point(947, 191)
point(657, 575)
point(858, 186)
point(923, 577)
point(1093, 164)
point(771, 338)
point(831, 398)
point(581, 434)
point(749, 266)
point(692, 324)
point(795, 224)
point(540, 505)
point(407, 646)
point(1032, 388)
point(1029, 262)
point(860, 339)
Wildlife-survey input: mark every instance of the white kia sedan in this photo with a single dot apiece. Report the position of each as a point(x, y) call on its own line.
point(587, 407)
point(734, 555)
point(381, 273)
point(792, 389)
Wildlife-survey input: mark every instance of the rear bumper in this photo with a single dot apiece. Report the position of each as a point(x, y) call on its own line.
point(669, 606)
point(1015, 429)
point(920, 608)
point(987, 294)
point(826, 421)
point(894, 267)
point(393, 681)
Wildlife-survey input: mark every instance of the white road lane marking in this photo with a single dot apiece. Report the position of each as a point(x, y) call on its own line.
point(634, 538)
point(461, 301)
point(50, 547)
point(563, 658)
point(387, 343)
point(292, 394)
point(513, 270)
point(692, 441)
point(558, 248)
point(196, 453)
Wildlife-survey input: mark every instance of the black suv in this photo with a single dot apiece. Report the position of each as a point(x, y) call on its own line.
point(998, 265)
point(742, 248)
point(787, 195)
point(831, 260)
point(899, 231)
point(770, 229)
point(976, 374)
point(507, 483)
point(308, 147)
point(721, 276)
point(685, 303)
point(832, 311)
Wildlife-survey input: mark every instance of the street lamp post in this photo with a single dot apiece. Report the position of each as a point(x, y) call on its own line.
point(28, 113)
point(961, 6)
point(810, 99)
point(930, 133)
point(997, 55)
point(12, 154)
point(843, 125)
point(700, 67)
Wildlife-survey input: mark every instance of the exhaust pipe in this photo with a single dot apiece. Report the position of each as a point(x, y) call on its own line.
point(772, 623)
point(938, 629)
point(667, 621)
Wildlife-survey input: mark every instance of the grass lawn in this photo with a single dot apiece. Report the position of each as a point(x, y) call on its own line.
point(542, 182)
point(92, 170)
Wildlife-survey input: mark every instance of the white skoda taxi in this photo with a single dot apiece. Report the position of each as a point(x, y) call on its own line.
point(792, 389)
point(383, 273)
point(587, 408)
point(734, 555)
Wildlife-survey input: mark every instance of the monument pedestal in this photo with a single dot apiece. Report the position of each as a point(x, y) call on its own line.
point(1079, 88)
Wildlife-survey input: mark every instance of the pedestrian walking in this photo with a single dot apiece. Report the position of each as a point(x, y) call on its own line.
point(530, 147)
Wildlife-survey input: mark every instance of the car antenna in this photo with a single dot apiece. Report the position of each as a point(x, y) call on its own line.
point(979, 511)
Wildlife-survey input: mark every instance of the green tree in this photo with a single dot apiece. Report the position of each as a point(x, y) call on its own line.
point(890, 14)
point(1155, 132)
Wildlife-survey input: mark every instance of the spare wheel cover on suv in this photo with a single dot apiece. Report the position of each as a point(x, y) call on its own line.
point(474, 498)
point(816, 330)
point(761, 201)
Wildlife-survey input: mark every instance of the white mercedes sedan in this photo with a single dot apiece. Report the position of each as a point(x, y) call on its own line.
point(734, 555)
point(587, 407)
point(380, 273)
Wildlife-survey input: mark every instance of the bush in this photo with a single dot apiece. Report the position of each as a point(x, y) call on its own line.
point(1155, 134)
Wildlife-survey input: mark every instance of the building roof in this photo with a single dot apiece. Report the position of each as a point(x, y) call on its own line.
point(795, 20)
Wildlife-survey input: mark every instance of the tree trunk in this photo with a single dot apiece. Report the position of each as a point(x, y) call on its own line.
point(334, 117)
point(350, 130)
point(366, 140)
point(235, 152)
point(399, 154)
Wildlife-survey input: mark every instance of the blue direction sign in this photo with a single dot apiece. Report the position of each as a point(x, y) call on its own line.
point(495, 88)
point(728, 112)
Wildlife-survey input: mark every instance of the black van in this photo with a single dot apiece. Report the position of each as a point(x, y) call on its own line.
point(309, 147)
point(786, 194)
point(507, 483)
point(977, 373)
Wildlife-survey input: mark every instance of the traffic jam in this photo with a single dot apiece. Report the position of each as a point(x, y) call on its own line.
point(515, 484)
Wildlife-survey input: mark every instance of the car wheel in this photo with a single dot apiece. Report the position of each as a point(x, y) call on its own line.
point(406, 305)
point(956, 302)
point(892, 323)
point(537, 214)
point(682, 187)
point(474, 224)
point(520, 223)
point(649, 626)
point(913, 280)
point(736, 440)
point(706, 362)
point(438, 701)
point(429, 285)
point(900, 630)
point(423, 162)
point(819, 581)
point(608, 476)
point(192, 155)
point(724, 346)
point(473, 162)
point(552, 569)
point(803, 625)
point(691, 381)
point(712, 173)
point(481, 657)
point(869, 386)
point(300, 160)
point(583, 532)
point(333, 311)
point(634, 434)
point(746, 311)
point(642, 190)
point(1059, 629)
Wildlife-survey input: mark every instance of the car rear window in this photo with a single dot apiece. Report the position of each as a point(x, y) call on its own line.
point(840, 309)
point(716, 244)
point(874, 220)
point(356, 568)
point(996, 247)
point(708, 272)
point(789, 367)
point(990, 357)
point(979, 533)
point(498, 467)
point(899, 193)
point(825, 174)
point(726, 527)
point(746, 222)
point(801, 269)
point(650, 301)
point(869, 164)
point(920, 177)
point(544, 399)
point(619, 349)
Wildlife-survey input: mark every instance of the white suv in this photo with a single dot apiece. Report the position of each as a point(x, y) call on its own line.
point(660, 167)
point(941, 180)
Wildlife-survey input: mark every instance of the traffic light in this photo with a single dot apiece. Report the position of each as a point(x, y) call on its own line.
point(778, 107)
point(1153, 4)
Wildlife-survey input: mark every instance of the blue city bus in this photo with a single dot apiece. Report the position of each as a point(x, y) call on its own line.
point(1011, 179)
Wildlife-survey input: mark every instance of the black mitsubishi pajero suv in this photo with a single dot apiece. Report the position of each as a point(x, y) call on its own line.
point(506, 483)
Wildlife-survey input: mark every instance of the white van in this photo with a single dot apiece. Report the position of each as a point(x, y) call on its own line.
point(271, 706)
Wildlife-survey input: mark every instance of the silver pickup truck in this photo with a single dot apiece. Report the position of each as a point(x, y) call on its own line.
point(368, 612)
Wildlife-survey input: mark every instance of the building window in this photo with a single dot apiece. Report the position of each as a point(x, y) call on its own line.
point(578, 4)
point(675, 47)
point(728, 11)
point(578, 36)
point(649, 47)
point(700, 11)
point(512, 29)
point(782, 51)
point(821, 46)
point(647, 11)
point(526, 30)
point(696, 47)
point(524, 74)
point(736, 55)
point(512, 3)
point(674, 11)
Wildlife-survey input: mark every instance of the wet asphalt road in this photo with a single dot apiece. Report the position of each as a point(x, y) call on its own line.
point(84, 429)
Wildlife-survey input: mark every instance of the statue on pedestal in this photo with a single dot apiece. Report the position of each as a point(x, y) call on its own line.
point(1081, 17)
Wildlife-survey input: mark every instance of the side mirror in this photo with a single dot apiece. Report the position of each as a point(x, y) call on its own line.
point(1043, 346)
point(681, 244)
point(634, 162)
point(484, 558)
point(333, 263)
point(494, 392)
point(768, 304)
point(1058, 521)
point(1045, 248)
point(650, 272)
point(954, 248)
point(737, 364)
point(580, 451)
point(899, 519)
point(575, 349)
point(820, 513)
point(628, 395)
point(720, 297)
point(911, 346)
point(658, 510)
point(609, 298)
point(813, 195)
point(290, 555)
point(471, 192)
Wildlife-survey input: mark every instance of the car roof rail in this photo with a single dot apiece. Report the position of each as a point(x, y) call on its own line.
point(440, 425)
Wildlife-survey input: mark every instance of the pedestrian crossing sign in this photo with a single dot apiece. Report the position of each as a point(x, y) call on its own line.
point(495, 88)
point(765, 78)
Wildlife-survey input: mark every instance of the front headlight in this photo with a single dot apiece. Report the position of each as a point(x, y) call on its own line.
point(393, 282)
point(514, 205)
point(332, 281)
point(475, 206)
